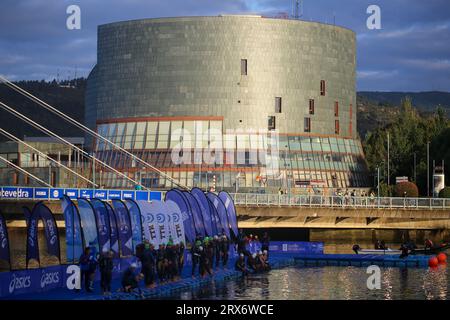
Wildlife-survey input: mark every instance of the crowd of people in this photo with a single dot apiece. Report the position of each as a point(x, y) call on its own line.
point(165, 263)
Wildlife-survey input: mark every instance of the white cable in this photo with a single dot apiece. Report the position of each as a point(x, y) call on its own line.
point(48, 132)
point(10, 136)
point(25, 172)
point(86, 129)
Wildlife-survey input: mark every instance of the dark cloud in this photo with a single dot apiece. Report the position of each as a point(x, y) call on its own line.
point(410, 53)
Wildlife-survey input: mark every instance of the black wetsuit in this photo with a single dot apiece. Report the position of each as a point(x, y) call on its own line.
point(195, 254)
point(240, 266)
point(224, 248)
point(205, 262)
point(129, 279)
point(106, 266)
point(148, 266)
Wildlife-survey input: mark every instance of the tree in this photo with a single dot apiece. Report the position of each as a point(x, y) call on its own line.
point(406, 189)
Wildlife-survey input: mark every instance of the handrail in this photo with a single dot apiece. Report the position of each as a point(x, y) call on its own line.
point(347, 202)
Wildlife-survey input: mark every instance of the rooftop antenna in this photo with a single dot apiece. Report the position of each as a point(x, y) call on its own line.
point(297, 9)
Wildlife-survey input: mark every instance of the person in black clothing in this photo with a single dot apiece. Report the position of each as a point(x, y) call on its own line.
point(265, 242)
point(181, 250)
point(148, 265)
point(130, 278)
point(240, 265)
point(216, 250)
point(84, 267)
point(241, 242)
point(195, 254)
point(161, 266)
point(224, 248)
point(172, 260)
point(251, 262)
point(204, 262)
point(106, 266)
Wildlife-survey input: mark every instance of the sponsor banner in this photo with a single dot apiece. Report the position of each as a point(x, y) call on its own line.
point(204, 209)
point(136, 222)
point(72, 193)
point(114, 236)
point(41, 193)
point(149, 224)
point(163, 222)
point(32, 280)
point(128, 195)
point(86, 193)
point(142, 195)
point(41, 211)
point(178, 197)
point(56, 194)
point(124, 228)
point(296, 247)
point(154, 195)
point(16, 193)
point(88, 223)
point(215, 221)
point(74, 236)
point(222, 213)
point(103, 224)
point(32, 247)
point(114, 194)
point(176, 222)
point(231, 211)
point(196, 214)
point(101, 194)
point(4, 240)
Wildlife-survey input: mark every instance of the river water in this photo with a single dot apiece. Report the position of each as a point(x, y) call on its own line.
point(297, 282)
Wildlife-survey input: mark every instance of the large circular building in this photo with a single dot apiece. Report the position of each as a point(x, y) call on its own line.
point(280, 93)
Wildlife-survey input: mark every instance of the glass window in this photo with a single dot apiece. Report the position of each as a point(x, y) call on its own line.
point(305, 143)
point(131, 126)
point(315, 142)
point(119, 139)
point(271, 123)
point(243, 67)
point(294, 143)
point(311, 106)
point(322, 87)
point(163, 134)
point(307, 125)
point(277, 104)
point(140, 134)
point(150, 142)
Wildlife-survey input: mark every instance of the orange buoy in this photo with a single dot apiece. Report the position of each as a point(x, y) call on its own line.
point(442, 257)
point(433, 262)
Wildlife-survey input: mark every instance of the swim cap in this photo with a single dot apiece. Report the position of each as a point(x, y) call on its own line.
point(200, 248)
point(254, 255)
point(133, 265)
point(259, 252)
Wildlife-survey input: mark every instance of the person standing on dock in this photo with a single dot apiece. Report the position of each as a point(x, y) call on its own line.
point(265, 243)
point(216, 250)
point(93, 263)
point(106, 266)
point(240, 265)
point(148, 265)
point(181, 250)
point(224, 248)
point(195, 254)
point(84, 267)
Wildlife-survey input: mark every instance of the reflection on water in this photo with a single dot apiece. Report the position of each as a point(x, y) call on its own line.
point(324, 283)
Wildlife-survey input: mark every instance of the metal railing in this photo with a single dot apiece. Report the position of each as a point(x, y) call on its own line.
point(249, 199)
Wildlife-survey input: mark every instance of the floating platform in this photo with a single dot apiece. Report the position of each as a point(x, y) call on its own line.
point(361, 260)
